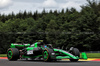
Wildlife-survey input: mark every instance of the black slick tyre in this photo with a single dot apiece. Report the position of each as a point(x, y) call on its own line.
point(75, 52)
point(13, 54)
point(46, 55)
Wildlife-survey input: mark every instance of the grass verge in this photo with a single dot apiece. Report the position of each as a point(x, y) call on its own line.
point(3, 55)
point(93, 55)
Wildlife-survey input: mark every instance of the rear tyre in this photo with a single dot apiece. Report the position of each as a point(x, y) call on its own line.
point(75, 52)
point(13, 54)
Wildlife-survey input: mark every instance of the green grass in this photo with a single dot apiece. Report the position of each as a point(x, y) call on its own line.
point(3, 55)
point(93, 55)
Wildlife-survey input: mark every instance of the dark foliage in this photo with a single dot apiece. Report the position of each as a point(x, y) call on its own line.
point(62, 29)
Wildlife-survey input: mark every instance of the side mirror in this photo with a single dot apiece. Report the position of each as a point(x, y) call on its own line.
point(71, 49)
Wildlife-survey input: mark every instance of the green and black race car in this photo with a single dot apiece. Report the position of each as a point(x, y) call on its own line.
point(43, 52)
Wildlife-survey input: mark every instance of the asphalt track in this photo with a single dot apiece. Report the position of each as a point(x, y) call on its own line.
point(5, 62)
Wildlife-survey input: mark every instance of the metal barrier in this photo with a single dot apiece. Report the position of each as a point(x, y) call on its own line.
point(92, 51)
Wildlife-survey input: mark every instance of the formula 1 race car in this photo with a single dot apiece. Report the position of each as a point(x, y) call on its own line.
point(43, 52)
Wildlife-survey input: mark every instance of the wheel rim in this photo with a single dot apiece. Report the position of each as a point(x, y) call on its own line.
point(45, 55)
point(9, 55)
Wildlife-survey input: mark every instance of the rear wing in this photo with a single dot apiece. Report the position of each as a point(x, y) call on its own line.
point(19, 46)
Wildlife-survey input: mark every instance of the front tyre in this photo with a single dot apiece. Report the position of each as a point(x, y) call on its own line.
point(75, 52)
point(13, 54)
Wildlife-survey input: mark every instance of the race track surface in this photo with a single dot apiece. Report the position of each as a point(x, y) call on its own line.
point(5, 62)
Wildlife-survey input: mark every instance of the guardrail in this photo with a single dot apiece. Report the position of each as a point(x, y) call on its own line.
point(92, 51)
